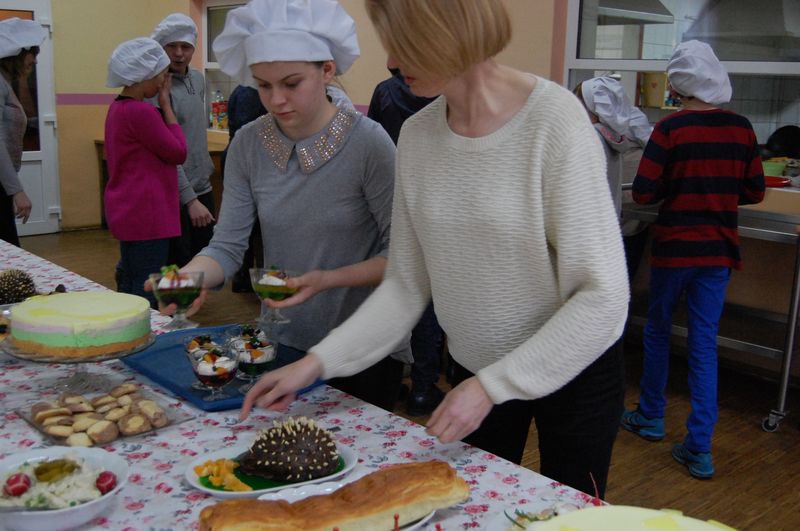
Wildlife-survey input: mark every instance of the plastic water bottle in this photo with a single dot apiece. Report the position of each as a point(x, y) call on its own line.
point(216, 102)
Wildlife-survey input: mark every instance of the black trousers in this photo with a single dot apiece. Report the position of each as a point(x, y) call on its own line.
point(8, 224)
point(379, 384)
point(577, 425)
point(192, 239)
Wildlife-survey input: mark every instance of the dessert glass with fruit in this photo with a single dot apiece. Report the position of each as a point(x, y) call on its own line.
point(199, 345)
point(270, 283)
point(215, 371)
point(255, 352)
point(174, 287)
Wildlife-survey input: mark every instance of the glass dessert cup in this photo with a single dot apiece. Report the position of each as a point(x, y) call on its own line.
point(180, 289)
point(199, 345)
point(214, 371)
point(255, 353)
point(270, 283)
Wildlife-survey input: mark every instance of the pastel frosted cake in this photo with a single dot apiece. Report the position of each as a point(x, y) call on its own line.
point(619, 518)
point(80, 324)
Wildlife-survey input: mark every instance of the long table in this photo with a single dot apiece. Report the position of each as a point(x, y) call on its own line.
point(156, 495)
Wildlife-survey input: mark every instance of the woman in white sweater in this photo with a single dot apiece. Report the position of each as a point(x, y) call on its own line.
point(503, 216)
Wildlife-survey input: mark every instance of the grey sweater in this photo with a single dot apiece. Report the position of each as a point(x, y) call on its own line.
point(12, 129)
point(328, 207)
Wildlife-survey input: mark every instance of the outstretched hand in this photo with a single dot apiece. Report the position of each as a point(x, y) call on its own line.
point(277, 389)
point(307, 285)
point(461, 412)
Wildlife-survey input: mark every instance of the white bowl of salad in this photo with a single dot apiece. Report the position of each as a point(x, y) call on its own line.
point(59, 487)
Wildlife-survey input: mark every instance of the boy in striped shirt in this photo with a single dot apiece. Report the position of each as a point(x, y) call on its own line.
point(702, 162)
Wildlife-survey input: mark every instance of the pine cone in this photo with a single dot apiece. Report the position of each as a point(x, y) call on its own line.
point(15, 286)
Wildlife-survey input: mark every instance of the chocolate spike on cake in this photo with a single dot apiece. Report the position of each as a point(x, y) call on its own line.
point(292, 450)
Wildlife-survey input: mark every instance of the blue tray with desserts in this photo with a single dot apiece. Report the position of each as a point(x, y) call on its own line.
point(167, 364)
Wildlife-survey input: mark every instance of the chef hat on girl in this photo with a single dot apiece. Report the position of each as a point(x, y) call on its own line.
point(176, 27)
point(134, 61)
point(605, 97)
point(695, 71)
point(17, 34)
point(285, 30)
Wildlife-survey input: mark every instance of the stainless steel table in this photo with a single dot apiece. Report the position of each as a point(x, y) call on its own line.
point(763, 225)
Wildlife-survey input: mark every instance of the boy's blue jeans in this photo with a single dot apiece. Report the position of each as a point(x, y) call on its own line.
point(705, 294)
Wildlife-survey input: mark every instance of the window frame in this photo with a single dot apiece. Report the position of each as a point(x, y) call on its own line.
point(572, 62)
point(213, 65)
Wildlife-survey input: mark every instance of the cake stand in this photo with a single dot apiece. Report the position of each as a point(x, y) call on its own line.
point(81, 380)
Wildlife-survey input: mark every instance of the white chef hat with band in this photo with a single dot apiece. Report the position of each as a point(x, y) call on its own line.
point(176, 27)
point(695, 71)
point(17, 34)
point(285, 30)
point(605, 97)
point(134, 61)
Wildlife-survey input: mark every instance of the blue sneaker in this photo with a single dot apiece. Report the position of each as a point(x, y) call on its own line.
point(650, 429)
point(699, 464)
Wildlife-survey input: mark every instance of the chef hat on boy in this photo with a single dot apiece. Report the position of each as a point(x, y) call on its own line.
point(285, 30)
point(695, 71)
point(605, 97)
point(176, 27)
point(17, 34)
point(134, 61)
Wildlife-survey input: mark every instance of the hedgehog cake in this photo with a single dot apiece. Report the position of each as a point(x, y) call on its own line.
point(15, 286)
point(293, 450)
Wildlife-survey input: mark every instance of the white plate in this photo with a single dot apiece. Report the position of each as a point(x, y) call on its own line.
point(345, 452)
point(71, 516)
point(292, 495)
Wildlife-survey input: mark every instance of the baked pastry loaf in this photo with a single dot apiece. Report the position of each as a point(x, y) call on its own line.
point(409, 490)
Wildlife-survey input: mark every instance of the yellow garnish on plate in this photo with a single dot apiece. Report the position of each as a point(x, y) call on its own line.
point(220, 474)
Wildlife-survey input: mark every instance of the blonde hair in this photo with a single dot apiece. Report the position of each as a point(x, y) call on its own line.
point(442, 38)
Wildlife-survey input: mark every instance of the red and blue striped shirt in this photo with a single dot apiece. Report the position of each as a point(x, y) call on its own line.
point(703, 165)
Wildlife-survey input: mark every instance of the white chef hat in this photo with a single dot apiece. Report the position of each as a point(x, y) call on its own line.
point(285, 30)
point(134, 61)
point(176, 27)
point(605, 97)
point(695, 71)
point(17, 34)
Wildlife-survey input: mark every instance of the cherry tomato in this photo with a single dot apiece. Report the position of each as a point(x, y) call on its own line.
point(106, 481)
point(17, 485)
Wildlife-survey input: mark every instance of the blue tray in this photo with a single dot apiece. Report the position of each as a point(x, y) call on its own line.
point(165, 363)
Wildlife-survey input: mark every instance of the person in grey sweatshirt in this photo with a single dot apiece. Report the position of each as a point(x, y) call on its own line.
point(177, 33)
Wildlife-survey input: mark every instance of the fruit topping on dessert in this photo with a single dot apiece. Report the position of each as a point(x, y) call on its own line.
point(219, 473)
point(205, 342)
point(274, 278)
point(172, 278)
point(293, 450)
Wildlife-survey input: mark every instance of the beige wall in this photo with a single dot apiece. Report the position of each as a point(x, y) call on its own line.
point(87, 31)
point(85, 34)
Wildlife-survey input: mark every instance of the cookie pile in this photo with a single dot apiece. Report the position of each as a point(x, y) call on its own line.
point(80, 421)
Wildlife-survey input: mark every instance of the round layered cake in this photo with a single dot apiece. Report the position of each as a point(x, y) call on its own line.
point(80, 324)
point(620, 517)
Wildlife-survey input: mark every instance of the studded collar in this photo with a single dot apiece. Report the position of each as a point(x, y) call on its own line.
point(312, 152)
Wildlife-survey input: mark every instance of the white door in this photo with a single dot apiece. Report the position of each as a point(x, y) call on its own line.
point(39, 172)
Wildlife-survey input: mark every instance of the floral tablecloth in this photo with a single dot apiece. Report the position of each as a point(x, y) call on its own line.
point(157, 497)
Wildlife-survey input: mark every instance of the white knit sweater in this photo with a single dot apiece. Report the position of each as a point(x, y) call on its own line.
point(515, 237)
